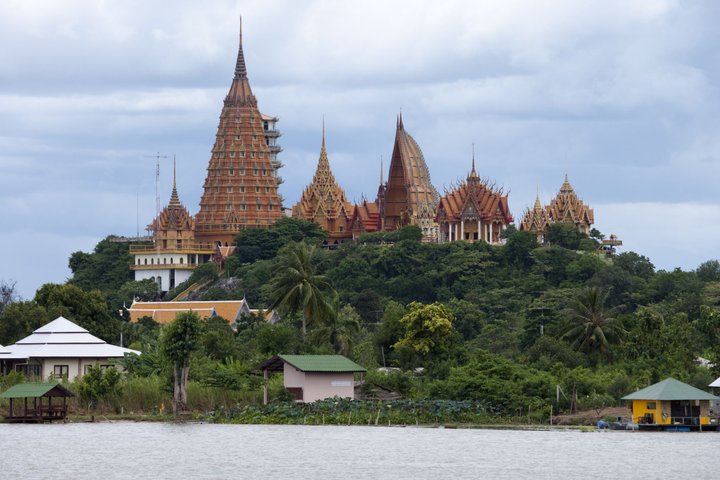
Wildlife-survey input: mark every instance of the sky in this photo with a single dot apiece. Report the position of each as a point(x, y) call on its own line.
point(620, 96)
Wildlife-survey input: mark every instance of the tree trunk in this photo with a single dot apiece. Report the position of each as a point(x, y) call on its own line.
point(180, 388)
point(304, 323)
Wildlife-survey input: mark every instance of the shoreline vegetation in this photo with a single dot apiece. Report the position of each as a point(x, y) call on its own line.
point(510, 329)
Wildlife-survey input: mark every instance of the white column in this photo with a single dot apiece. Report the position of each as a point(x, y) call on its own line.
point(462, 229)
point(492, 230)
point(479, 234)
point(456, 231)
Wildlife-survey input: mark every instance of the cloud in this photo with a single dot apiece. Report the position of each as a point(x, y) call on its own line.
point(620, 95)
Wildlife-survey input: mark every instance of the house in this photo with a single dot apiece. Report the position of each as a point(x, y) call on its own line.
point(165, 312)
point(313, 377)
point(672, 403)
point(59, 349)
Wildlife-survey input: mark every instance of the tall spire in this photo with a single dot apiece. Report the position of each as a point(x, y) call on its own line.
point(240, 69)
point(472, 172)
point(174, 197)
point(400, 122)
point(323, 131)
point(382, 180)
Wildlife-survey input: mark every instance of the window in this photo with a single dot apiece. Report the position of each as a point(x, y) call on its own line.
point(232, 154)
point(650, 406)
point(257, 189)
point(267, 189)
point(242, 189)
point(61, 371)
point(228, 206)
point(242, 170)
point(229, 189)
point(255, 171)
point(243, 206)
point(146, 261)
point(237, 137)
point(152, 261)
point(231, 171)
point(181, 260)
point(28, 370)
point(264, 172)
point(252, 154)
point(259, 207)
point(171, 260)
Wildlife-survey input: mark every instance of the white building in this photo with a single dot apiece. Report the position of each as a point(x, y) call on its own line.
point(60, 349)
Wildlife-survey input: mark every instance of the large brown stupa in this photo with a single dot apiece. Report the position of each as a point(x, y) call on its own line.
point(241, 187)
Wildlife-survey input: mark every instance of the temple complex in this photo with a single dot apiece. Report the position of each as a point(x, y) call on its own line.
point(174, 252)
point(324, 202)
point(474, 211)
point(565, 207)
point(241, 187)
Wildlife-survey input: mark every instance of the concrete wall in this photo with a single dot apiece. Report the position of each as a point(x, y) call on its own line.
point(76, 366)
point(180, 276)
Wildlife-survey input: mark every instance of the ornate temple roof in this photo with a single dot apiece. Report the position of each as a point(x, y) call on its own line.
point(475, 199)
point(174, 216)
point(567, 207)
point(241, 187)
point(409, 194)
point(366, 217)
point(535, 219)
point(323, 201)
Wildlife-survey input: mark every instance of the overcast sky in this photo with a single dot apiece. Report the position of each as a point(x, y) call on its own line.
point(622, 96)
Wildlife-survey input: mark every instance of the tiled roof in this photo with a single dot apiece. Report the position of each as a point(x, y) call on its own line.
point(314, 363)
point(474, 193)
point(32, 390)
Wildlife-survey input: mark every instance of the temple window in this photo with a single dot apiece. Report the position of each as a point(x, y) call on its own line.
point(242, 189)
point(243, 206)
point(242, 171)
point(237, 137)
point(171, 260)
point(259, 207)
point(257, 189)
point(164, 261)
point(242, 154)
point(267, 189)
point(146, 261)
point(264, 172)
point(229, 189)
point(181, 260)
point(232, 154)
point(255, 171)
point(252, 154)
point(231, 171)
point(228, 206)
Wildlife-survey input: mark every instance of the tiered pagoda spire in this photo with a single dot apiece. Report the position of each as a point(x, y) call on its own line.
point(473, 211)
point(536, 219)
point(567, 207)
point(324, 202)
point(241, 187)
point(174, 224)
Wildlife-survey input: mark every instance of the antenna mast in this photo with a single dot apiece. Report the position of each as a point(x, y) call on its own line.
point(157, 158)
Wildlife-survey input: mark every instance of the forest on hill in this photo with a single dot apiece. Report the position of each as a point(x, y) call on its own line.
point(504, 325)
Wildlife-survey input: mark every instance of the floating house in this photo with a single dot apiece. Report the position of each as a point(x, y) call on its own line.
point(165, 312)
point(42, 408)
point(313, 377)
point(672, 404)
point(59, 350)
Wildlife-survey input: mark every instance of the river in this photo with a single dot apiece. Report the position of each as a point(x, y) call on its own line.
point(186, 451)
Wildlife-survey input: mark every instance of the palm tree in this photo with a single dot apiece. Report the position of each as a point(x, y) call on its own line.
point(592, 327)
point(296, 285)
point(338, 329)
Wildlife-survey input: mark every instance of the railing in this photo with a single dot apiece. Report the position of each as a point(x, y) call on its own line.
point(190, 247)
point(275, 148)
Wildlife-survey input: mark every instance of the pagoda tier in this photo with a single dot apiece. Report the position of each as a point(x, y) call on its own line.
point(535, 220)
point(241, 187)
point(473, 211)
point(409, 197)
point(567, 207)
point(324, 202)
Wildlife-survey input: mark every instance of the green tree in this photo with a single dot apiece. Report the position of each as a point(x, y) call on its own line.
point(565, 235)
point(179, 340)
point(338, 330)
point(88, 309)
point(296, 286)
point(709, 271)
point(593, 328)
point(428, 328)
point(98, 384)
point(19, 319)
point(263, 244)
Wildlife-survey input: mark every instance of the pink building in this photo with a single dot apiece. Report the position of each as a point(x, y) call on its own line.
point(314, 377)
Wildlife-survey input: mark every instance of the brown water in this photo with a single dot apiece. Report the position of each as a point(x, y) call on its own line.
point(161, 450)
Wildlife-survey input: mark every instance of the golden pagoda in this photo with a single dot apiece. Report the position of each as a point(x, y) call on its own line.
point(241, 187)
point(535, 220)
point(324, 202)
point(474, 211)
point(567, 207)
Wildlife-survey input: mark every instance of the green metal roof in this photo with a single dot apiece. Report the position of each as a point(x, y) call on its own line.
point(32, 390)
point(322, 363)
point(670, 389)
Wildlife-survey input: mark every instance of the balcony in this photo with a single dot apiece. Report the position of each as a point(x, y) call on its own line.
point(276, 164)
point(271, 133)
point(166, 266)
point(275, 148)
point(201, 248)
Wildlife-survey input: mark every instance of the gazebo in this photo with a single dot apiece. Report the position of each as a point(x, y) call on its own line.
point(38, 411)
point(672, 404)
